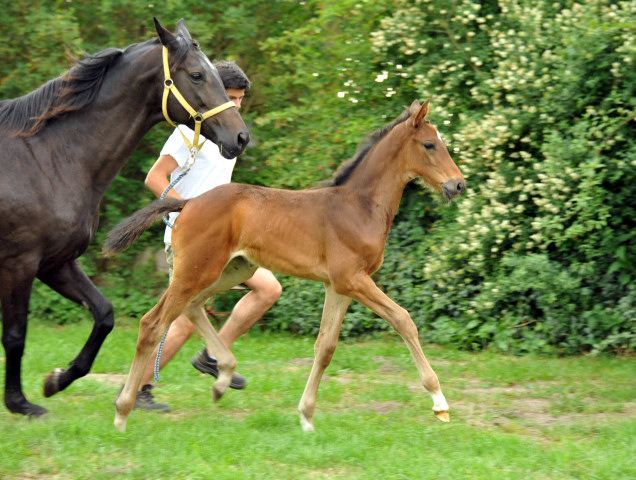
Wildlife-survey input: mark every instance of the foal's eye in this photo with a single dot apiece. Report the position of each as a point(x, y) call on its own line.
point(429, 145)
point(196, 76)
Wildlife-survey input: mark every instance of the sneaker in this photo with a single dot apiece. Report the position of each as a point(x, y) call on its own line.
point(146, 401)
point(204, 363)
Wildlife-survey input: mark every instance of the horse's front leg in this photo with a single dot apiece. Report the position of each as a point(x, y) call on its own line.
point(225, 359)
point(332, 315)
point(151, 328)
point(367, 293)
point(71, 282)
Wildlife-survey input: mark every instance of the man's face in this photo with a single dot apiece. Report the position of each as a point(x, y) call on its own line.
point(236, 95)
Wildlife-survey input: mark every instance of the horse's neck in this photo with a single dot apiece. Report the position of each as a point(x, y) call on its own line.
point(109, 130)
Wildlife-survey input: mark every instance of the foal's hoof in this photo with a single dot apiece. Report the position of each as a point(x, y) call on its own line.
point(52, 382)
point(216, 393)
point(120, 422)
point(306, 424)
point(443, 416)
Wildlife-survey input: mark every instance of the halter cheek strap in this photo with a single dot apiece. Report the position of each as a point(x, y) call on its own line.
point(199, 118)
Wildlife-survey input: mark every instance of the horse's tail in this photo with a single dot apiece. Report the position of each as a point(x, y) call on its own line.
point(130, 229)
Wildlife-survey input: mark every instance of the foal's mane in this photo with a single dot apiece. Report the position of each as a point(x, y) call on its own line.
point(345, 169)
point(70, 92)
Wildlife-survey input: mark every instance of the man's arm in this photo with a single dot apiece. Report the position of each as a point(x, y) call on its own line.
point(158, 176)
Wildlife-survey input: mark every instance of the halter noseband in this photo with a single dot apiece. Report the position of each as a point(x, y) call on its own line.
point(199, 118)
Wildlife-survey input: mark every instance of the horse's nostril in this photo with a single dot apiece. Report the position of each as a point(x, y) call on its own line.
point(243, 138)
point(460, 187)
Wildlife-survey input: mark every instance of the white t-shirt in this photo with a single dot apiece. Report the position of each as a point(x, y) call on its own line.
point(210, 169)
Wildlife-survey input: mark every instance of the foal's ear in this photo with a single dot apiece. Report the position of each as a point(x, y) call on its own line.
point(165, 37)
point(421, 113)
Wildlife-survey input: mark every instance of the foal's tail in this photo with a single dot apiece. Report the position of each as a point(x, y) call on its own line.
point(129, 230)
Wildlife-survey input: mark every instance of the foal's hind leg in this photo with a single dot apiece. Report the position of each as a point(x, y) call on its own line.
point(368, 294)
point(151, 328)
point(71, 282)
point(332, 315)
point(225, 360)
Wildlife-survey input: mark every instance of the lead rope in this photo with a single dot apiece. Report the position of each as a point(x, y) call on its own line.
point(194, 150)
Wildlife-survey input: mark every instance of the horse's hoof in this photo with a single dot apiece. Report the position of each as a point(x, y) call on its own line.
point(443, 416)
point(52, 382)
point(36, 411)
point(29, 409)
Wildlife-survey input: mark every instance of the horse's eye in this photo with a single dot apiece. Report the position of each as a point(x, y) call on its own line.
point(196, 76)
point(429, 145)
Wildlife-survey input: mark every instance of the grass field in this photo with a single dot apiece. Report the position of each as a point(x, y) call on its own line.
point(511, 418)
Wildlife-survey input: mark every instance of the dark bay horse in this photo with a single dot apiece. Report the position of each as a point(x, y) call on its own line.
point(60, 147)
point(335, 235)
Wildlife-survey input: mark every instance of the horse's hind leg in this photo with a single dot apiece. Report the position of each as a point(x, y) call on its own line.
point(367, 293)
point(70, 281)
point(225, 360)
point(332, 314)
point(14, 296)
point(151, 328)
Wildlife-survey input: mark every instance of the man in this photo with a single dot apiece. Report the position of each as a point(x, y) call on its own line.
point(209, 170)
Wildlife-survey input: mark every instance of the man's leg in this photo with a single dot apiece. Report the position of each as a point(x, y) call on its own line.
point(264, 291)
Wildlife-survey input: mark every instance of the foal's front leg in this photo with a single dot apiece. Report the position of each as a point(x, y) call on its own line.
point(332, 315)
point(225, 360)
point(368, 294)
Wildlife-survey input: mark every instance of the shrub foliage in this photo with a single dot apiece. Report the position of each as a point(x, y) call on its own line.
point(535, 99)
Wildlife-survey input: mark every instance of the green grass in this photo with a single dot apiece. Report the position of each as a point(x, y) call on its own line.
point(511, 418)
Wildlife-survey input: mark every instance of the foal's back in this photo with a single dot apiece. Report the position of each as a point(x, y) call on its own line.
point(287, 231)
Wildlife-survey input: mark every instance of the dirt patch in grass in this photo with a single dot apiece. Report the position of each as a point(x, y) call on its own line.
point(517, 407)
point(114, 379)
point(303, 361)
point(383, 407)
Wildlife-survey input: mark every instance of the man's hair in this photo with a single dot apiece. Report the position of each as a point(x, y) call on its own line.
point(232, 75)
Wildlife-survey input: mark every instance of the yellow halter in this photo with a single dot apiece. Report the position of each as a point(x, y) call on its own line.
point(199, 118)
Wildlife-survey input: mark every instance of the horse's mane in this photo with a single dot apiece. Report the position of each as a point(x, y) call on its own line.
point(72, 91)
point(346, 168)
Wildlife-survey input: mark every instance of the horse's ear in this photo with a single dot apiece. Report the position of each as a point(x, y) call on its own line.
point(421, 113)
point(414, 107)
point(183, 30)
point(166, 37)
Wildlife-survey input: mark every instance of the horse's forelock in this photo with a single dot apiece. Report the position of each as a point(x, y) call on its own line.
point(182, 47)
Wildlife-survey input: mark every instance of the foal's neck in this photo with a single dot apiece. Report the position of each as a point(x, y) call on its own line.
point(382, 176)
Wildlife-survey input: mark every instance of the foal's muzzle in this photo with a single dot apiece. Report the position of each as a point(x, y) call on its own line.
point(454, 187)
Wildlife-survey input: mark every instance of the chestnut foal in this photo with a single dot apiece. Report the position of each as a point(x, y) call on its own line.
point(335, 234)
